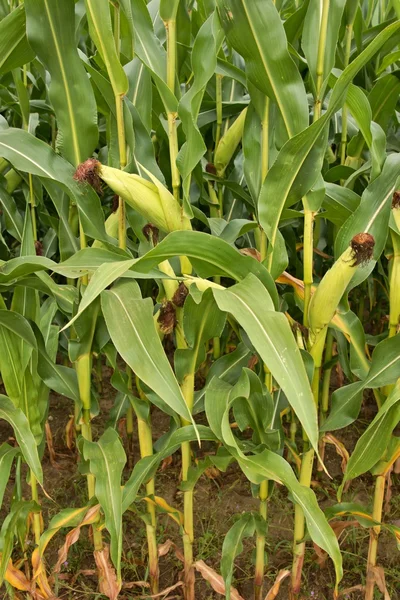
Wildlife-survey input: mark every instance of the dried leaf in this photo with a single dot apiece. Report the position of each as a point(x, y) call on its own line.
point(164, 593)
point(70, 433)
point(164, 548)
point(167, 462)
point(339, 526)
point(129, 585)
point(253, 252)
point(50, 445)
point(340, 449)
point(380, 581)
point(212, 472)
point(273, 592)
point(388, 494)
point(354, 588)
point(73, 536)
point(40, 575)
point(17, 579)
point(108, 584)
point(215, 580)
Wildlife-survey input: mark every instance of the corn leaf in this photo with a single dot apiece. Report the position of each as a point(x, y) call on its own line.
point(270, 334)
point(107, 460)
point(23, 435)
point(131, 326)
point(255, 30)
point(271, 466)
point(51, 33)
point(15, 50)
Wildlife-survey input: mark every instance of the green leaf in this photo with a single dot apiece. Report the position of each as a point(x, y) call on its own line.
point(228, 368)
point(18, 325)
point(51, 33)
point(7, 455)
point(255, 30)
point(150, 51)
point(375, 439)
point(204, 59)
point(384, 370)
point(18, 515)
point(201, 322)
point(270, 334)
point(373, 212)
point(13, 219)
point(271, 466)
point(339, 203)
point(145, 468)
point(311, 38)
point(107, 460)
point(59, 378)
point(23, 435)
point(100, 28)
point(210, 256)
point(27, 153)
point(131, 326)
point(286, 181)
point(233, 546)
point(15, 50)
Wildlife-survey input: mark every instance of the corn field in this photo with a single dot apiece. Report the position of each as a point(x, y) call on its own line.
point(200, 299)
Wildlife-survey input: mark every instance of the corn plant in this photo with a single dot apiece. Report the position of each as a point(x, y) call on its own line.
point(202, 196)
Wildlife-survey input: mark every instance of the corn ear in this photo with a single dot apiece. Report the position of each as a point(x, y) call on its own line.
point(333, 285)
point(150, 198)
point(228, 144)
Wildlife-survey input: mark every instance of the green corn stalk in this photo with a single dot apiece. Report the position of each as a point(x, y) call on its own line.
point(323, 305)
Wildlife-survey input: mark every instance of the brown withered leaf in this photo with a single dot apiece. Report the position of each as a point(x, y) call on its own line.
point(215, 580)
point(347, 591)
point(131, 584)
point(40, 576)
point(17, 578)
point(108, 583)
point(212, 472)
point(388, 493)
point(274, 591)
point(163, 594)
point(341, 449)
point(85, 572)
point(253, 252)
point(164, 548)
point(70, 432)
point(50, 446)
point(167, 462)
point(73, 536)
point(380, 581)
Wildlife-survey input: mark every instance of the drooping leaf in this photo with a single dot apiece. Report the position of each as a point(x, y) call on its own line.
point(23, 434)
point(270, 334)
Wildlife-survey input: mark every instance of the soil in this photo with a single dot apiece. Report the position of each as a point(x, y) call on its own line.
point(218, 501)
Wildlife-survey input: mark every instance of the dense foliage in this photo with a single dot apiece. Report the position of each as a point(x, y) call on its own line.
point(202, 195)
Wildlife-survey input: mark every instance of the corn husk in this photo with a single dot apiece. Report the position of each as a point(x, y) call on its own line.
point(228, 144)
point(150, 198)
point(328, 294)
